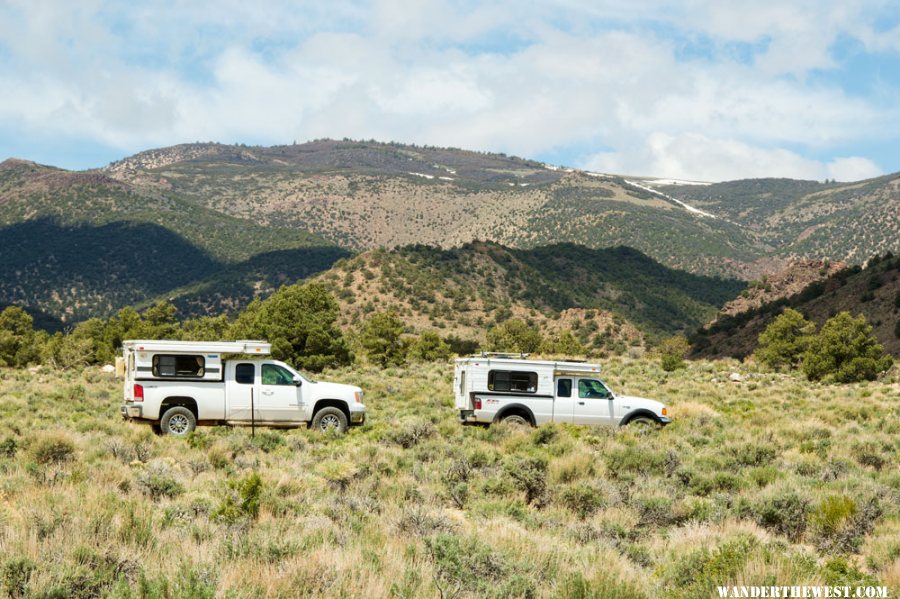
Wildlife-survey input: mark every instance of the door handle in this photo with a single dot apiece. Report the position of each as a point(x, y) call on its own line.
point(268, 392)
point(580, 403)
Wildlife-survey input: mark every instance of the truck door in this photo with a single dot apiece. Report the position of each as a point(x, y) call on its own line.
point(240, 382)
point(594, 404)
point(563, 401)
point(279, 395)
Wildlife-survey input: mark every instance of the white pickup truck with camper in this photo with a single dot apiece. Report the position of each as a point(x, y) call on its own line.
point(177, 385)
point(504, 388)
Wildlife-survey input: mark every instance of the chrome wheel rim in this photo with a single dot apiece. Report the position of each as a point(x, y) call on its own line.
point(515, 421)
point(329, 421)
point(179, 424)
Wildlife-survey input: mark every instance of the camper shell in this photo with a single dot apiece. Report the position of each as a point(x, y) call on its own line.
point(177, 385)
point(491, 388)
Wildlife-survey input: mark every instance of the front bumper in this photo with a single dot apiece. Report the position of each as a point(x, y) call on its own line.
point(130, 411)
point(664, 420)
point(357, 414)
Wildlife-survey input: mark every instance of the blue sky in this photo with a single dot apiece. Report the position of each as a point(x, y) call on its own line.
point(687, 89)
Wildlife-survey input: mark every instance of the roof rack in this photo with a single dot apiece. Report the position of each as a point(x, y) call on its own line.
point(499, 354)
point(244, 346)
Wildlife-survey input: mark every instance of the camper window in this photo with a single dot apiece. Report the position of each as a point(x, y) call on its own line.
point(512, 380)
point(178, 366)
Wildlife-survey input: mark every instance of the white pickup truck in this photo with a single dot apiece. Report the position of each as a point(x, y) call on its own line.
point(177, 385)
point(499, 388)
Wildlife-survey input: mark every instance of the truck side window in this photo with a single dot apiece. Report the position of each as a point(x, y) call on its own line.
point(592, 389)
point(512, 380)
point(272, 374)
point(564, 388)
point(244, 373)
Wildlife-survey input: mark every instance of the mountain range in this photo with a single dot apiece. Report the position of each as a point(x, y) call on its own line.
point(211, 226)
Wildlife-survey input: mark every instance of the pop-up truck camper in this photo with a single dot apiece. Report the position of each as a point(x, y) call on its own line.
point(511, 388)
point(177, 385)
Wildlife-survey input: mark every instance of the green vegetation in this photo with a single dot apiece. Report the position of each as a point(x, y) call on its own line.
point(769, 481)
point(672, 352)
point(738, 335)
point(380, 339)
point(784, 342)
point(514, 335)
point(845, 351)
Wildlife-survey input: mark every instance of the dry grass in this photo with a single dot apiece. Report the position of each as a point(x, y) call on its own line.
point(740, 489)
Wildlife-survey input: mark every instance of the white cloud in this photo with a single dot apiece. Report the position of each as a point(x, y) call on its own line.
point(853, 168)
point(575, 75)
point(700, 158)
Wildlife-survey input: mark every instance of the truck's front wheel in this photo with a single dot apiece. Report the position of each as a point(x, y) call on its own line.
point(330, 418)
point(178, 421)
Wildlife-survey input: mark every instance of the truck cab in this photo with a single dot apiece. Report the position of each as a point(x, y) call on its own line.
point(178, 385)
point(506, 388)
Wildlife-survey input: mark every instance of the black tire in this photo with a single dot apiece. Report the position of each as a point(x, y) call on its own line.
point(178, 422)
point(643, 424)
point(516, 419)
point(330, 418)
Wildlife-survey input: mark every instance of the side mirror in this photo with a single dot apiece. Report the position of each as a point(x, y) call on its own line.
point(297, 380)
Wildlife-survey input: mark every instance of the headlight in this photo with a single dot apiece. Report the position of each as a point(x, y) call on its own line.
point(357, 396)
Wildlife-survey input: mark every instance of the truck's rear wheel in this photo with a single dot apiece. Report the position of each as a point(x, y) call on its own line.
point(516, 420)
point(178, 421)
point(330, 418)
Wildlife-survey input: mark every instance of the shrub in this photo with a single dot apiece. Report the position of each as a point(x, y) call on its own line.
point(159, 480)
point(699, 572)
point(242, 499)
point(410, 433)
point(17, 338)
point(582, 499)
point(8, 447)
point(514, 335)
point(839, 523)
point(845, 351)
point(564, 343)
point(785, 340)
point(52, 449)
point(300, 323)
point(429, 347)
point(380, 339)
point(672, 352)
point(15, 576)
point(752, 454)
point(529, 475)
point(636, 459)
point(469, 566)
point(783, 513)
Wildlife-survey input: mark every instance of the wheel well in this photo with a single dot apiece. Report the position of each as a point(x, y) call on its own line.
point(519, 409)
point(331, 403)
point(637, 413)
point(183, 402)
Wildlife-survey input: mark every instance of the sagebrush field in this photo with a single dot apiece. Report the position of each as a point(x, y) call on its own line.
point(772, 480)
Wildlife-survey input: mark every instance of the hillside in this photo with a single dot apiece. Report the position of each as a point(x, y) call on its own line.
point(840, 221)
point(364, 194)
point(608, 297)
point(76, 245)
point(215, 225)
point(873, 292)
